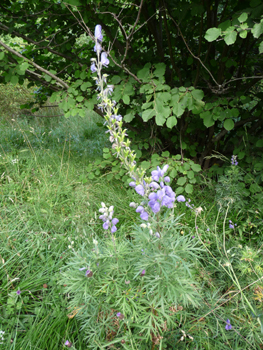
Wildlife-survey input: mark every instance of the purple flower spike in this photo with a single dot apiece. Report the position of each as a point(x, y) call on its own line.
point(97, 47)
point(98, 34)
point(180, 198)
point(93, 68)
point(228, 326)
point(104, 59)
point(140, 190)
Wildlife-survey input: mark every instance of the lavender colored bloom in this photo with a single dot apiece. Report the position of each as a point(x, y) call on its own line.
point(120, 315)
point(155, 206)
point(132, 184)
point(106, 225)
point(180, 198)
point(208, 229)
point(104, 59)
point(68, 344)
point(113, 229)
point(234, 160)
point(231, 226)
point(166, 179)
point(83, 268)
point(157, 234)
point(93, 68)
point(144, 216)
point(97, 47)
point(98, 34)
point(140, 190)
point(154, 185)
point(18, 292)
point(228, 326)
point(143, 272)
point(89, 273)
point(114, 221)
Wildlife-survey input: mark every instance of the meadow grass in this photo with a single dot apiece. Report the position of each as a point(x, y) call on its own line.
point(49, 209)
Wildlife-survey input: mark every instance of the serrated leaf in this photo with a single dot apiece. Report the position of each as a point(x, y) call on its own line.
point(189, 188)
point(212, 34)
point(257, 30)
point(197, 94)
point(230, 37)
point(148, 114)
point(181, 181)
point(243, 17)
point(126, 99)
point(14, 79)
point(171, 122)
point(196, 168)
point(229, 124)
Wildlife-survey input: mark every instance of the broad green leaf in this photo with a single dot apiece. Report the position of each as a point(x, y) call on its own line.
point(163, 96)
point(197, 94)
point(79, 98)
point(229, 124)
point(208, 118)
point(2, 55)
point(115, 79)
point(179, 190)
point(212, 34)
point(148, 114)
point(259, 143)
point(159, 69)
point(160, 119)
point(196, 168)
point(189, 188)
point(181, 181)
point(144, 74)
point(178, 110)
point(14, 79)
point(230, 37)
point(147, 105)
point(261, 47)
point(171, 122)
point(190, 174)
point(126, 99)
point(129, 117)
point(243, 34)
point(47, 77)
point(243, 17)
point(84, 86)
point(257, 30)
point(89, 105)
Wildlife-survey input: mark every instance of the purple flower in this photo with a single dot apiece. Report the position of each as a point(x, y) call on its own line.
point(155, 206)
point(144, 216)
point(104, 59)
point(89, 273)
point(228, 325)
point(113, 229)
point(231, 226)
point(68, 344)
point(120, 315)
point(140, 190)
point(132, 184)
point(180, 198)
point(93, 68)
point(166, 179)
point(156, 174)
point(154, 185)
point(106, 225)
point(234, 160)
point(18, 292)
point(97, 47)
point(114, 221)
point(98, 34)
point(143, 273)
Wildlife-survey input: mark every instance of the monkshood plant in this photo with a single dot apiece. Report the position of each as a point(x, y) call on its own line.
point(129, 290)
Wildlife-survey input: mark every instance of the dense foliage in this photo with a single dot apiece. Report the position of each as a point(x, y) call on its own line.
point(188, 75)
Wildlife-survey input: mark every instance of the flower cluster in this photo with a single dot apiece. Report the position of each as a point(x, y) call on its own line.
point(107, 218)
point(231, 225)
point(228, 326)
point(234, 160)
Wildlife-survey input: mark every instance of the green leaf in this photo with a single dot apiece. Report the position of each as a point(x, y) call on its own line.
point(257, 30)
point(129, 117)
point(115, 79)
point(212, 34)
point(189, 188)
point(14, 79)
point(47, 77)
point(208, 118)
point(171, 122)
point(197, 94)
point(2, 55)
point(84, 86)
point(259, 143)
point(261, 47)
point(126, 99)
point(159, 70)
point(144, 74)
point(148, 114)
point(230, 37)
point(243, 34)
point(79, 98)
point(178, 110)
point(229, 124)
point(196, 168)
point(181, 181)
point(190, 174)
point(243, 17)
